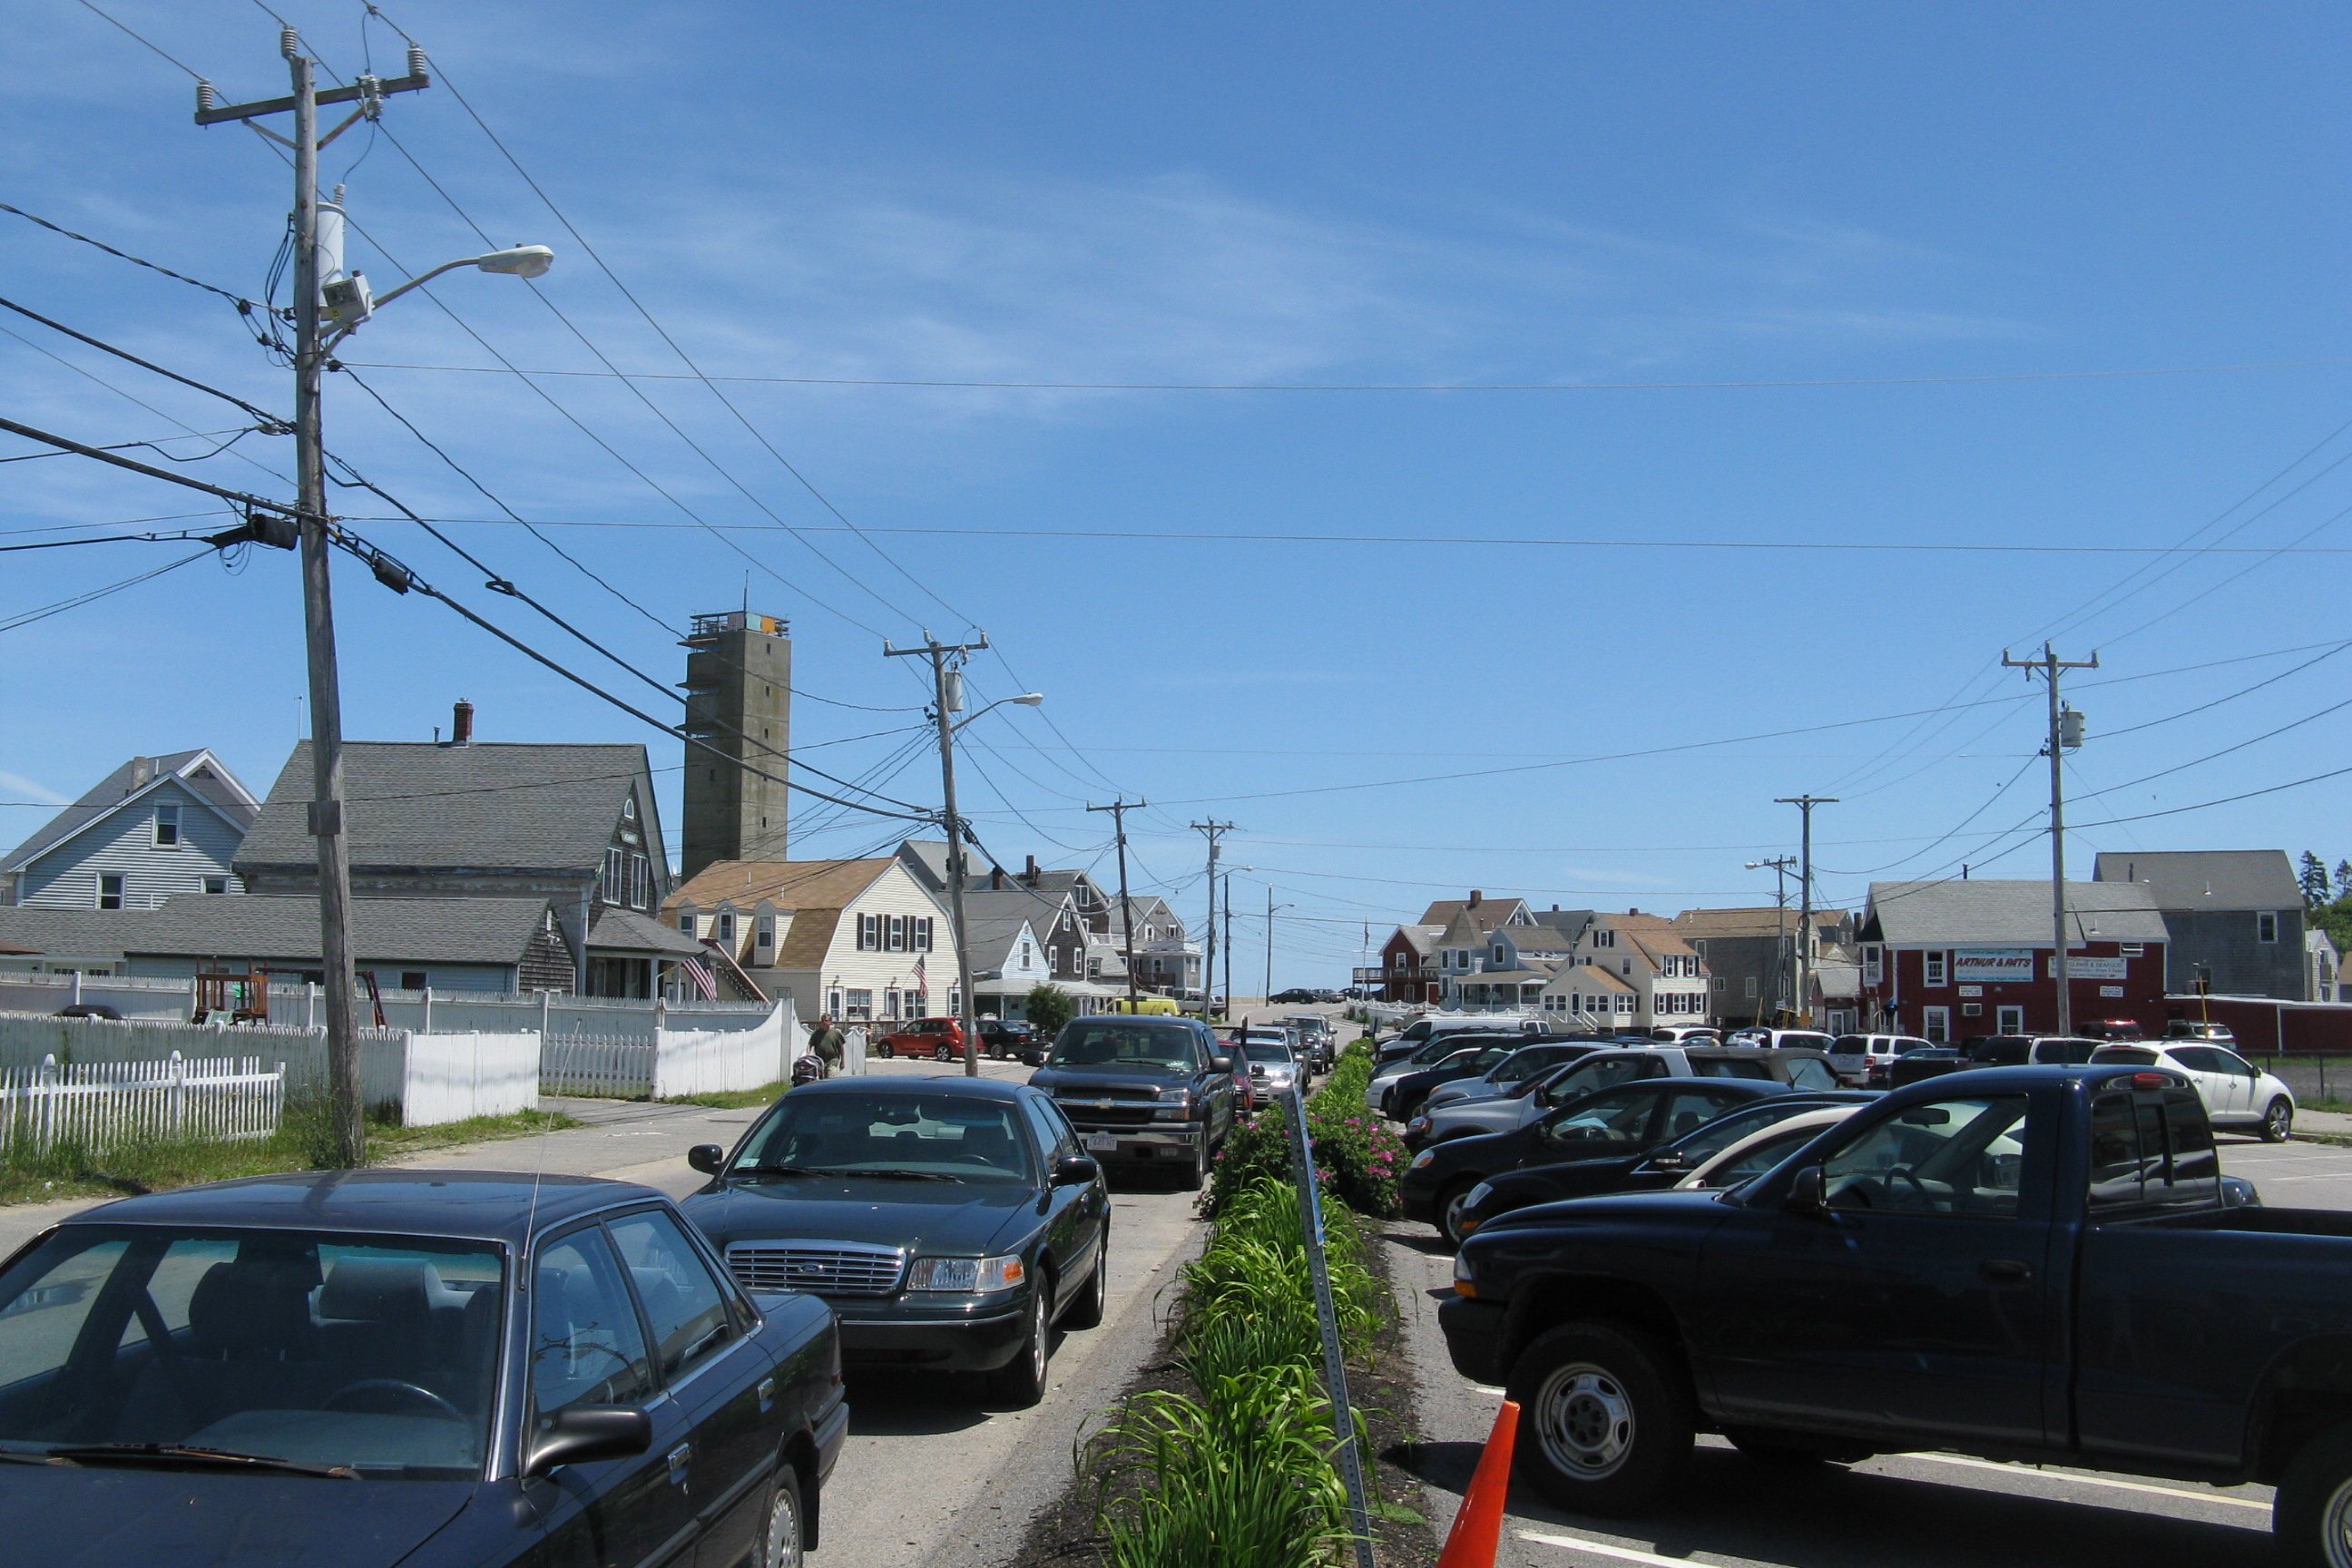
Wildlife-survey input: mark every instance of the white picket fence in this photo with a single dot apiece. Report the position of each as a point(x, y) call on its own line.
point(597, 1065)
point(107, 1104)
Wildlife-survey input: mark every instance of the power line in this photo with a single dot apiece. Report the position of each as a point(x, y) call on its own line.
point(245, 307)
point(27, 617)
point(143, 39)
point(272, 425)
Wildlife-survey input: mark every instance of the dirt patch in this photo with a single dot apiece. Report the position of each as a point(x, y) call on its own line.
point(1063, 1534)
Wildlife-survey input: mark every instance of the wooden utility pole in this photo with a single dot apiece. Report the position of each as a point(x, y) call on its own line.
point(1805, 804)
point(1118, 810)
point(2063, 738)
point(947, 699)
point(1215, 831)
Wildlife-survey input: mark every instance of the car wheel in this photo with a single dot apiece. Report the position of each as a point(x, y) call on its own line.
point(1020, 1382)
point(2311, 1519)
point(1606, 1418)
point(1196, 1175)
point(884, 1049)
point(1088, 1312)
point(2278, 1121)
point(1450, 1204)
point(945, 1052)
point(781, 1547)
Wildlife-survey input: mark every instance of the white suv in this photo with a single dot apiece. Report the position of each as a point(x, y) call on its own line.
point(1860, 1061)
point(2238, 1095)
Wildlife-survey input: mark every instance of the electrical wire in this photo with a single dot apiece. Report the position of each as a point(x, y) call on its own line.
point(245, 307)
point(27, 617)
point(271, 424)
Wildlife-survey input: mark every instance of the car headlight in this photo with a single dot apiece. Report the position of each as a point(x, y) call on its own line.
point(1418, 1125)
point(1465, 1282)
point(1478, 1194)
point(1426, 1158)
point(1178, 1096)
point(967, 1275)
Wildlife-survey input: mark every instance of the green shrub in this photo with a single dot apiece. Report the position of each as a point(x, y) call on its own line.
point(1049, 1007)
point(1358, 1157)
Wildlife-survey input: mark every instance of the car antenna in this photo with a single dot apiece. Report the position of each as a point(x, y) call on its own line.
point(530, 1215)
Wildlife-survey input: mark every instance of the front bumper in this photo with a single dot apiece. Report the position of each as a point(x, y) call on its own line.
point(1418, 1197)
point(977, 1336)
point(1143, 1145)
point(1473, 1338)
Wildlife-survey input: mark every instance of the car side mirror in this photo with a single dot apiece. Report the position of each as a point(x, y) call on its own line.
point(1668, 1160)
point(1075, 1170)
point(585, 1433)
point(1807, 1192)
point(708, 1158)
point(1221, 1064)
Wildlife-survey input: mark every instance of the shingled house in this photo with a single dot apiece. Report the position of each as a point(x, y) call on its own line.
point(152, 827)
point(509, 945)
point(864, 941)
point(574, 826)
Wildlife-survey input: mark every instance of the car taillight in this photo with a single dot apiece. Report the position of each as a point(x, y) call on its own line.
point(2151, 1080)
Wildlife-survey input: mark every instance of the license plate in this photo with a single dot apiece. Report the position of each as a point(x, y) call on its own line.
point(1101, 1143)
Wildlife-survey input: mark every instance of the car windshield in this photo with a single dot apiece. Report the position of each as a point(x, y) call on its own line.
point(302, 1348)
point(949, 1137)
point(1732, 1126)
point(1520, 1065)
point(1139, 1046)
point(1269, 1051)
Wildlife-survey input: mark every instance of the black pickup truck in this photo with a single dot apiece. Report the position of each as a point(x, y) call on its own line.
point(2018, 1263)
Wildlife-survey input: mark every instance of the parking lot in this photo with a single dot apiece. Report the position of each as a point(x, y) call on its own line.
point(1921, 1510)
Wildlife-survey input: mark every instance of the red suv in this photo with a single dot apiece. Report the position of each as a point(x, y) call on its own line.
point(938, 1039)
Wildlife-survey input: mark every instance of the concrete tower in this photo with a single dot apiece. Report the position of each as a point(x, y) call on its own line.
point(738, 699)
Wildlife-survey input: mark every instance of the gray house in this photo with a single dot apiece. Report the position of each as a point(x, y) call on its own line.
point(506, 945)
point(152, 827)
point(2235, 916)
point(573, 826)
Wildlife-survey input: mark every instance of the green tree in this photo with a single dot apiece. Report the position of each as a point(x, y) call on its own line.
point(1049, 1008)
point(2343, 878)
point(2313, 878)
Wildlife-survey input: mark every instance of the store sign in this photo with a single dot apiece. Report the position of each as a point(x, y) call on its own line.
point(2096, 969)
point(1972, 990)
point(2111, 990)
point(1995, 965)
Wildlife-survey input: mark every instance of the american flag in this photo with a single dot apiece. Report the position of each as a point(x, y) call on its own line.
point(922, 976)
point(701, 974)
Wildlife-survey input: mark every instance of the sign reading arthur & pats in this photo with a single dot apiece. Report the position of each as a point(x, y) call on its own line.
point(1993, 966)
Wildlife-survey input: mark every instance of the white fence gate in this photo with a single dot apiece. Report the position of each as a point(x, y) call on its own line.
point(596, 1064)
point(107, 1104)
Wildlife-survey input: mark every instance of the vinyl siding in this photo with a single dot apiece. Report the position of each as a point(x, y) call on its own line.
point(123, 844)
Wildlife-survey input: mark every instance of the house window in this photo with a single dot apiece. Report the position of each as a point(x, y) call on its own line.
point(2011, 1019)
point(1935, 964)
point(1935, 1025)
point(923, 934)
point(109, 892)
point(685, 924)
point(1024, 953)
point(216, 884)
point(1751, 988)
point(1625, 1005)
point(897, 937)
point(860, 1005)
point(167, 826)
point(869, 934)
point(832, 1003)
point(1715, 983)
point(629, 808)
point(614, 889)
point(765, 936)
point(412, 980)
point(890, 1003)
point(641, 882)
point(2266, 925)
point(1873, 967)
point(722, 926)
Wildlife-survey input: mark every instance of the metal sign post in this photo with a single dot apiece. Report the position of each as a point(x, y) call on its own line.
point(1335, 1366)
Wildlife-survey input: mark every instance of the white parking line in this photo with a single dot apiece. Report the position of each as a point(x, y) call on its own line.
point(1603, 1549)
point(1495, 1393)
point(1956, 1461)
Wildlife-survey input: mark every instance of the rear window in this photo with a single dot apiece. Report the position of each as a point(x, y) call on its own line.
point(1851, 1046)
point(2151, 1149)
point(1797, 1040)
point(1722, 1068)
point(2126, 1055)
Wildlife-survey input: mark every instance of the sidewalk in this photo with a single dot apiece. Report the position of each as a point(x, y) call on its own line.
point(2322, 1122)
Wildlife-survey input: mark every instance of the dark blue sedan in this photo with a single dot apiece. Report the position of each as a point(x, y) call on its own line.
point(406, 1366)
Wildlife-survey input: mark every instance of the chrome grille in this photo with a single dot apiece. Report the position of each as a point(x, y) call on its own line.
point(819, 1267)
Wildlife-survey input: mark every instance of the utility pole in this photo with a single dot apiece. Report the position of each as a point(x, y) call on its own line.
point(947, 687)
point(1805, 804)
point(1229, 947)
point(1269, 941)
point(325, 806)
point(1780, 865)
point(1118, 810)
point(2066, 733)
point(1215, 831)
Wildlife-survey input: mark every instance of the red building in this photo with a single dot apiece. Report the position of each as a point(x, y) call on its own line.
point(1408, 971)
point(1949, 960)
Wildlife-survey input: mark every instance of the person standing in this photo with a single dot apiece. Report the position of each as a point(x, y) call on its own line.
point(828, 1042)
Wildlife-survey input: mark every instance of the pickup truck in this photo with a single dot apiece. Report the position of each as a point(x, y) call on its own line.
point(2028, 1263)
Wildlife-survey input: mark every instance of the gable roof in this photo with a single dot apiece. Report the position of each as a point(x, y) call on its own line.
point(89, 936)
point(199, 771)
point(787, 884)
point(1586, 977)
point(1485, 914)
point(413, 806)
point(1766, 920)
point(615, 929)
point(1540, 938)
point(2190, 879)
point(1568, 922)
point(1422, 939)
point(383, 930)
point(1655, 935)
point(994, 921)
point(2008, 913)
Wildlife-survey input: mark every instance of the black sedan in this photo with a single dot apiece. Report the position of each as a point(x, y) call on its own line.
point(1641, 1172)
point(354, 1369)
point(1405, 1095)
point(1628, 1118)
point(949, 1222)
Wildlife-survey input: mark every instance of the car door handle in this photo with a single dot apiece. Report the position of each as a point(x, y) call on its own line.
point(677, 1458)
point(2005, 1271)
point(767, 1394)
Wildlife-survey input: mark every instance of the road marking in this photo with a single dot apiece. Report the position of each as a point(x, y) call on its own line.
point(1497, 1392)
point(1956, 1461)
point(1602, 1549)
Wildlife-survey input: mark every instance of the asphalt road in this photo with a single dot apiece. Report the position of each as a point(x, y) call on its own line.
point(1924, 1510)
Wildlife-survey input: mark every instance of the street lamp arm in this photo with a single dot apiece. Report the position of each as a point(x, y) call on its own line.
point(1026, 699)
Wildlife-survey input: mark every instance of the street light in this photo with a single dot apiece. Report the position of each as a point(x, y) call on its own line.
point(346, 297)
point(1026, 699)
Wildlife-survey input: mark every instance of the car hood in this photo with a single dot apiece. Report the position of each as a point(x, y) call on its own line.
point(80, 1517)
point(1492, 1115)
point(1595, 1176)
point(1123, 1083)
point(1607, 1208)
point(943, 1218)
point(1460, 1089)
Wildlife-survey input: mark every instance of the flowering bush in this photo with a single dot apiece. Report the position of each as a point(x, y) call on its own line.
point(1358, 1157)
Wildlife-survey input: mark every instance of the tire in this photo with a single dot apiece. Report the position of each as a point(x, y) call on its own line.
point(2278, 1121)
point(780, 1543)
point(1086, 1312)
point(2310, 1520)
point(1021, 1381)
point(1196, 1175)
point(1606, 1421)
point(943, 1054)
point(1449, 1205)
point(884, 1049)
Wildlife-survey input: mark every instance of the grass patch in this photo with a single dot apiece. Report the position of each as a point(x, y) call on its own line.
point(734, 1098)
point(302, 1143)
point(2333, 1140)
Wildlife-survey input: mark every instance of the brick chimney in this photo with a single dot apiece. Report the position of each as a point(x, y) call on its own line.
point(1030, 876)
point(461, 724)
point(1475, 896)
point(996, 878)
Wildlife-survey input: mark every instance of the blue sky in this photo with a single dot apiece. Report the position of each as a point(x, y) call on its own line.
point(1826, 276)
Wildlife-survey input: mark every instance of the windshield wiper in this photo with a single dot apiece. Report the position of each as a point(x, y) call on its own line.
point(177, 1456)
point(772, 1171)
point(888, 1174)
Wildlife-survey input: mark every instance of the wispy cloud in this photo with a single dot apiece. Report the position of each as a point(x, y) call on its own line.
point(23, 789)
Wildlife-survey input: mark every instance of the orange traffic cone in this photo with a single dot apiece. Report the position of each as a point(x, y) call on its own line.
point(1477, 1530)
